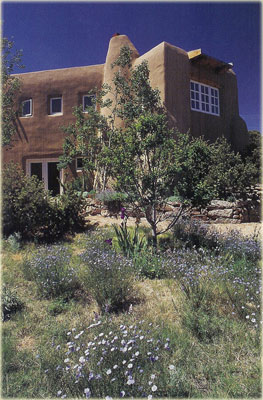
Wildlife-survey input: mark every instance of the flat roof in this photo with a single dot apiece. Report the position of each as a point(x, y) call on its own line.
point(197, 57)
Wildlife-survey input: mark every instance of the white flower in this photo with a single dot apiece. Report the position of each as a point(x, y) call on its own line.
point(152, 376)
point(108, 372)
point(122, 393)
point(141, 337)
point(171, 367)
point(124, 362)
point(150, 397)
point(247, 316)
point(130, 366)
point(59, 393)
point(87, 392)
point(130, 381)
point(154, 388)
point(137, 353)
point(115, 366)
point(82, 360)
point(108, 398)
point(67, 360)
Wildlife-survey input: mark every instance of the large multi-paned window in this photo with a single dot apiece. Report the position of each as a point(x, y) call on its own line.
point(204, 98)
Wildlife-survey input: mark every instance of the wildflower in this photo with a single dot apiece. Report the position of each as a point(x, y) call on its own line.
point(67, 360)
point(171, 367)
point(115, 366)
point(109, 241)
point(123, 212)
point(153, 376)
point(108, 372)
point(87, 392)
point(122, 394)
point(108, 398)
point(130, 366)
point(150, 397)
point(59, 392)
point(154, 388)
point(82, 360)
point(130, 381)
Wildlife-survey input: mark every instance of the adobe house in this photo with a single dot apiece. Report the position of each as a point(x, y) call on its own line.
point(199, 92)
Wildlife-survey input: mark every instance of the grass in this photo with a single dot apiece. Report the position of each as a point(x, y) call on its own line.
point(205, 348)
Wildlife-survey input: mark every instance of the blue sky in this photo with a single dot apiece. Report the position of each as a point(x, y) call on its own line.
point(67, 34)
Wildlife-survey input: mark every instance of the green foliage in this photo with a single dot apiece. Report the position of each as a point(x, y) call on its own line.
point(51, 269)
point(25, 203)
point(252, 153)
point(14, 241)
point(129, 241)
point(11, 303)
point(229, 172)
point(191, 234)
point(29, 209)
point(10, 89)
point(107, 276)
point(149, 265)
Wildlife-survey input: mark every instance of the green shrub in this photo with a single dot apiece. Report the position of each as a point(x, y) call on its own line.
point(195, 234)
point(11, 303)
point(51, 270)
point(150, 265)
point(113, 200)
point(31, 211)
point(130, 242)
point(107, 276)
point(14, 241)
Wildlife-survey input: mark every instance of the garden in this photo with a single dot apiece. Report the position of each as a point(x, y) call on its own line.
point(126, 311)
point(103, 314)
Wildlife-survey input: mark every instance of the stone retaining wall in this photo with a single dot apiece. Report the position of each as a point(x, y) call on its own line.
point(218, 211)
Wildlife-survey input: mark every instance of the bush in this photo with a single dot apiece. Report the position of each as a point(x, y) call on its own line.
point(107, 275)
point(10, 303)
point(31, 211)
point(113, 200)
point(105, 359)
point(50, 269)
point(195, 234)
point(14, 241)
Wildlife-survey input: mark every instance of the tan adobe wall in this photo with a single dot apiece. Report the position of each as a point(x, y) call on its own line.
point(41, 136)
point(229, 123)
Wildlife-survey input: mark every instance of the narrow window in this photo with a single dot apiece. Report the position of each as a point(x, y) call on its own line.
point(56, 105)
point(79, 164)
point(88, 101)
point(27, 108)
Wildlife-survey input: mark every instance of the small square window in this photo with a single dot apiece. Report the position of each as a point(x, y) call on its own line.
point(56, 105)
point(27, 108)
point(79, 164)
point(88, 101)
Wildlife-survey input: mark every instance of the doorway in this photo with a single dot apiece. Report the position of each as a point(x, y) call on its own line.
point(47, 171)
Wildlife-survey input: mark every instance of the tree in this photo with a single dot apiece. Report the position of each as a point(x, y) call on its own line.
point(147, 160)
point(252, 152)
point(10, 89)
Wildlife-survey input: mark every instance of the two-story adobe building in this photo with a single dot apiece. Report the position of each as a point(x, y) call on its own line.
point(198, 91)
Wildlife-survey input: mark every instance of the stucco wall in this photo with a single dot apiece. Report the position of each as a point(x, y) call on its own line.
point(40, 135)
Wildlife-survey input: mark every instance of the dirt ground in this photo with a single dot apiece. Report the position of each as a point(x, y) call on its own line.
point(246, 229)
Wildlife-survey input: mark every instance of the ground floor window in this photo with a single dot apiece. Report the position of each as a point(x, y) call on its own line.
point(47, 171)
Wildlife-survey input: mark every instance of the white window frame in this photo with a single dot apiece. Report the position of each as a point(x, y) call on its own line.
point(50, 104)
point(30, 114)
point(204, 96)
point(78, 169)
point(88, 95)
point(44, 162)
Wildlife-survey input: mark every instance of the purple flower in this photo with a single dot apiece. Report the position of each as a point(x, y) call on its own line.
point(123, 212)
point(109, 241)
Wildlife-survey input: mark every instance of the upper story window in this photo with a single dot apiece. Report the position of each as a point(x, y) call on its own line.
point(88, 101)
point(204, 98)
point(26, 108)
point(56, 105)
